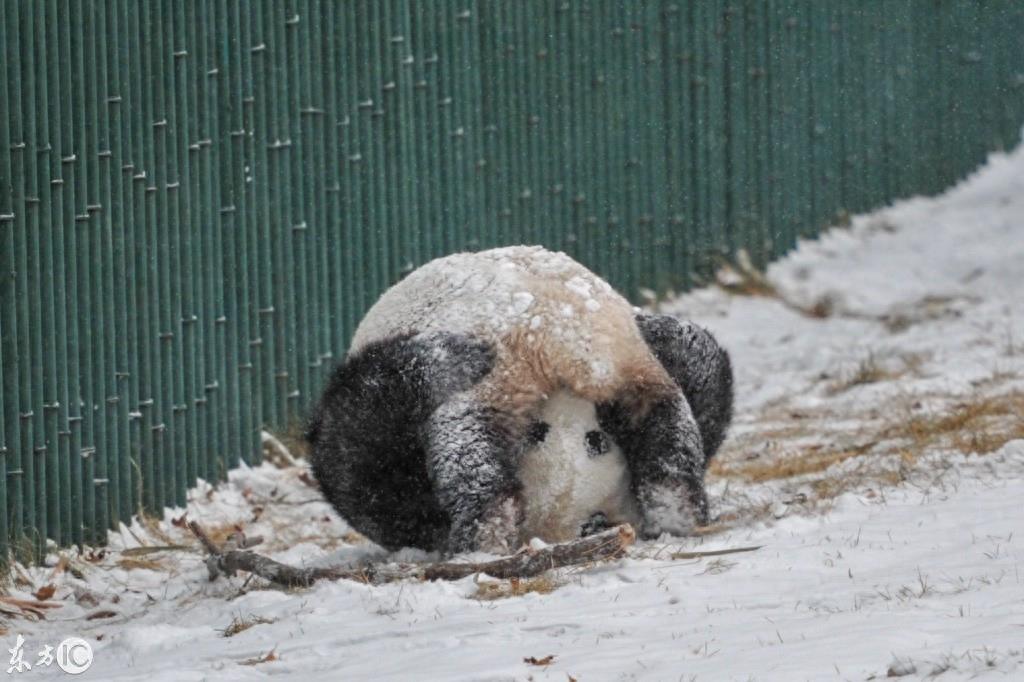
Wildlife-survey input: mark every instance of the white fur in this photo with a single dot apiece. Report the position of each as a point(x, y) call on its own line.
point(562, 484)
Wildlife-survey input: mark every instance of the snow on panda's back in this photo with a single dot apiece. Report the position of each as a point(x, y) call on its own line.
point(554, 323)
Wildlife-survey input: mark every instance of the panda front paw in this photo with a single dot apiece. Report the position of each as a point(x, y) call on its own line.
point(453, 362)
point(672, 508)
point(595, 524)
point(495, 532)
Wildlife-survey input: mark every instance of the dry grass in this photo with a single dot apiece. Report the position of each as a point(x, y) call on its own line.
point(742, 278)
point(152, 525)
point(810, 460)
point(516, 587)
point(741, 282)
point(133, 563)
point(243, 623)
point(871, 371)
point(293, 438)
point(868, 371)
point(980, 425)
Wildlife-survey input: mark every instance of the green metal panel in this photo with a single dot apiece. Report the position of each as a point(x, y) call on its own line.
point(199, 200)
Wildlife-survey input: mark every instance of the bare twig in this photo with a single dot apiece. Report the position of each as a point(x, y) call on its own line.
point(714, 552)
point(234, 556)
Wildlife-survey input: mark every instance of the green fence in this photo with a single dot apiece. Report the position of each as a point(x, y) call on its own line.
point(198, 200)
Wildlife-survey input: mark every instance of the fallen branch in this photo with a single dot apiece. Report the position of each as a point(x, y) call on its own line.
point(235, 555)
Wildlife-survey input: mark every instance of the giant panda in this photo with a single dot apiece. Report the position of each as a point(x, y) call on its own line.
point(492, 397)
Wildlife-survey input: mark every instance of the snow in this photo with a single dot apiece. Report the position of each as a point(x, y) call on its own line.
point(489, 293)
point(900, 553)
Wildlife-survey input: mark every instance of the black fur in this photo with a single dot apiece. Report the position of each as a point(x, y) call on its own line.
point(668, 450)
point(597, 443)
point(664, 452)
point(595, 524)
point(366, 435)
point(472, 459)
point(700, 367)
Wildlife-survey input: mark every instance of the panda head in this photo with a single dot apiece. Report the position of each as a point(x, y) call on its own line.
point(571, 470)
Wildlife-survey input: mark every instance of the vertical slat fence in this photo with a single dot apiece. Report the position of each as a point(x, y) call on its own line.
point(200, 198)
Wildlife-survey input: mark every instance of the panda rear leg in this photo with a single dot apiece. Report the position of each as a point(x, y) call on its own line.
point(665, 456)
point(700, 367)
point(366, 433)
point(471, 459)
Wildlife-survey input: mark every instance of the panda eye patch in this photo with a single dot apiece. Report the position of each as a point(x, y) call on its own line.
point(539, 431)
point(597, 443)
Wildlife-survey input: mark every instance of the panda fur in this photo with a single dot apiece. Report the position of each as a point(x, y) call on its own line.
point(573, 473)
point(492, 397)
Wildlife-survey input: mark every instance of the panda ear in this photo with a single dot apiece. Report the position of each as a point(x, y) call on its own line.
point(701, 368)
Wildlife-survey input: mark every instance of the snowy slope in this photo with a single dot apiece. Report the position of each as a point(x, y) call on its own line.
point(872, 366)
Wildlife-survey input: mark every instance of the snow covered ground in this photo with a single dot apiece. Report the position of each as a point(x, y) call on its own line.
point(876, 463)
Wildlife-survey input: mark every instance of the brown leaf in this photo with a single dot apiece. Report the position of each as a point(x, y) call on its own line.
point(260, 659)
point(45, 592)
point(309, 480)
point(181, 521)
point(547, 660)
point(97, 615)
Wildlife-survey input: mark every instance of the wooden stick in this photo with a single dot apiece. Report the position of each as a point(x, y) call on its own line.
point(699, 554)
point(234, 556)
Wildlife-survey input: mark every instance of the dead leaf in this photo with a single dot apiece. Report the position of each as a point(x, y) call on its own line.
point(181, 521)
point(97, 615)
point(547, 660)
point(309, 480)
point(272, 656)
point(45, 592)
